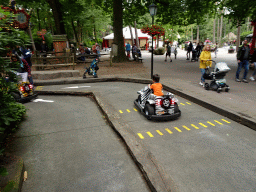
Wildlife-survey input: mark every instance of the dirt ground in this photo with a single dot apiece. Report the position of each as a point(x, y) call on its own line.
point(126, 68)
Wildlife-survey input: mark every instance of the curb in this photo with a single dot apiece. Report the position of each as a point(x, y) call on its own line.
point(217, 109)
point(16, 178)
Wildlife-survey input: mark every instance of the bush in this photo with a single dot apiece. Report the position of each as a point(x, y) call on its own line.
point(159, 51)
point(11, 113)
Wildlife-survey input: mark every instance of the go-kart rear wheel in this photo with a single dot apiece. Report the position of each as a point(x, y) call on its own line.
point(149, 109)
point(84, 76)
point(207, 86)
point(95, 76)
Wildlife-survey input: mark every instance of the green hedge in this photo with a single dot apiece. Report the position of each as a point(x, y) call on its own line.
point(159, 51)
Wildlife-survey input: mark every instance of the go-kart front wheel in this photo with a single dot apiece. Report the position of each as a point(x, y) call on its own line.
point(149, 109)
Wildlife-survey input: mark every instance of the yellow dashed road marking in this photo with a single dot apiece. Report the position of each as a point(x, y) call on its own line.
point(210, 123)
point(150, 135)
point(225, 120)
point(135, 109)
point(168, 130)
point(188, 103)
point(140, 135)
point(182, 103)
point(186, 127)
point(159, 132)
point(218, 122)
point(120, 111)
point(39, 87)
point(177, 129)
point(202, 124)
point(128, 110)
point(194, 126)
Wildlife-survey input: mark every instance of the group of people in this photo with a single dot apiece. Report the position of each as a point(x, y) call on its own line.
point(135, 50)
point(243, 54)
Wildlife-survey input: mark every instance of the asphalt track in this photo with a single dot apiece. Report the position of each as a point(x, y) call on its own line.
point(200, 151)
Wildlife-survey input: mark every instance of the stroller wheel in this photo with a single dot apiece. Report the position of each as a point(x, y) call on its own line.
point(218, 90)
point(207, 86)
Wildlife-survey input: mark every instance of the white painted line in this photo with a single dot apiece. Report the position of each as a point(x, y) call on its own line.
point(42, 100)
point(76, 87)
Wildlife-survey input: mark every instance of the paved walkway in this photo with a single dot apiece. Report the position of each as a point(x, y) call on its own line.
point(182, 77)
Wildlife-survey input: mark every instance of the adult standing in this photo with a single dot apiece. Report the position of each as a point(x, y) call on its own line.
point(205, 62)
point(168, 52)
point(134, 51)
point(190, 47)
point(198, 49)
point(243, 61)
point(128, 49)
point(44, 50)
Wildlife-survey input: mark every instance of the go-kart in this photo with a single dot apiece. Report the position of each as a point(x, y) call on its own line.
point(155, 107)
point(24, 92)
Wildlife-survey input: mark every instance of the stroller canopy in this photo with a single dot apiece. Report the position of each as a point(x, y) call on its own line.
point(221, 67)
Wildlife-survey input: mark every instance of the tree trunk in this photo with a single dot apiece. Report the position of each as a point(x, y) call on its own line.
point(191, 34)
point(238, 36)
point(220, 35)
point(197, 36)
point(136, 35)
point(131, 35)
point(248, 24)
point(214, 31)
point(31, 37)
point(118, 31)
point(218, 30)
point(57, 14)
point(157, 41)
point(78, 32)
point(74, 29)
point(38, 17)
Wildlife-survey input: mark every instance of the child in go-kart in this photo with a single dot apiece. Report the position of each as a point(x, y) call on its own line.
point(156, 86)
point(24, 70)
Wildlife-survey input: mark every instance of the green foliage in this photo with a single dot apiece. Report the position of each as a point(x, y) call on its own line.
point(244, 34)
point(11, 112)
point(159, 51)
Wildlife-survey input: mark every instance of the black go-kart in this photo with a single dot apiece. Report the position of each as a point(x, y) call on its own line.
point(155, 107)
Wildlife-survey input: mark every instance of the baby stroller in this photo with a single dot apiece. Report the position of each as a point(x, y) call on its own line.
point(194, 55)
point(217, 77)
point(92, 70)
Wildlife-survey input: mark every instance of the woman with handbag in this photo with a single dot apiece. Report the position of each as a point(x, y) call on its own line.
point(205, 62)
